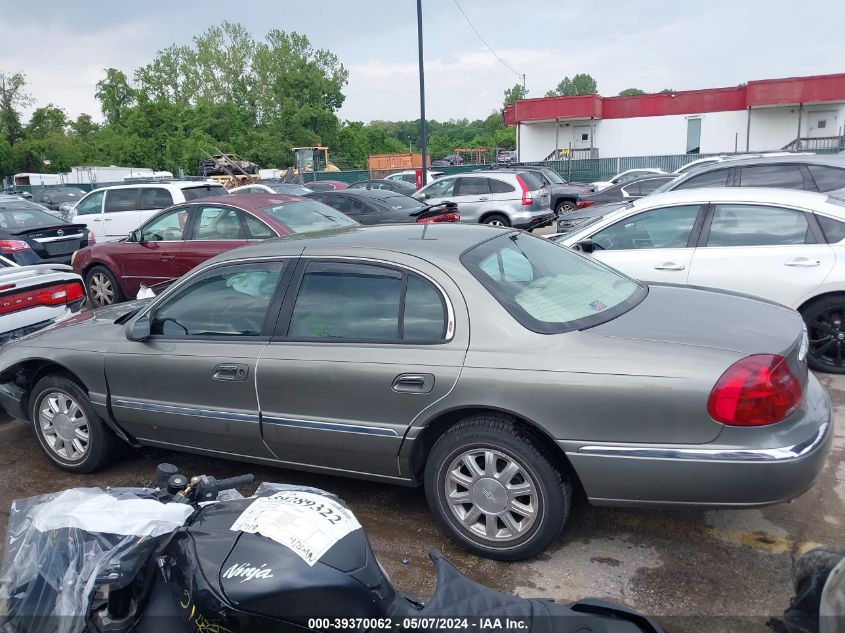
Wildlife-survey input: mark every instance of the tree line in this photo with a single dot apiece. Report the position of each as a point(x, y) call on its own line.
point(579, 84)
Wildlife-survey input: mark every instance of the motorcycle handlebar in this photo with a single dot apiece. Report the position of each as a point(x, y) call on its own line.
point(235, 482)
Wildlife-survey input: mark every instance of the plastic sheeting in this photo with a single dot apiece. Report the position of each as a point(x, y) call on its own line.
point(61, 548)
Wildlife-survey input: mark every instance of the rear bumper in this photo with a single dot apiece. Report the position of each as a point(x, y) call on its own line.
point(635, 474)
point(536, 222)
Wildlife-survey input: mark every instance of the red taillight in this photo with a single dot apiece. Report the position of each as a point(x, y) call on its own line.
point(584, 203)
point(453, 216)
point(46, 296)
point(527, 200)
point(755, 391)
point(13, 246)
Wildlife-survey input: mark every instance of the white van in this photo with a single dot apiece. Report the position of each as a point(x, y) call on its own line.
point(112, 213)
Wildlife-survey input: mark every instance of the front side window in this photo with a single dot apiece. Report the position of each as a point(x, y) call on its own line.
point(91, 205)
point(118, 200)
point(781, 176)
point(167, 227)
point(155, 198)
point(217, 223)
point(669, 227)
point(440, 188)
point(756, 225)
point(306, 216)
point(548, 288)
point(715, 178)
point(341, 301)
point(233, 301)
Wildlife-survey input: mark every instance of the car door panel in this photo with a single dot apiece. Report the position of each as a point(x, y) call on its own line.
point(346, 404)
point(473, 197)
point(155, 259)
point(121, 212)
point(207, 235)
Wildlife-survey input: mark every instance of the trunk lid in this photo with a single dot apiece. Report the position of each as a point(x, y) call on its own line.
point(55, 242)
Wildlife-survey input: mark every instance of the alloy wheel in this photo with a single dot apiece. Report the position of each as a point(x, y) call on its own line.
point(64, 426)
point(826, 333)
point(496, 223)
point(102, 291)
point(491, 494)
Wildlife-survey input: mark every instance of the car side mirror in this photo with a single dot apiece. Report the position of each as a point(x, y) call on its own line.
point(585, 246)
point(138, 329)
point(136, 236)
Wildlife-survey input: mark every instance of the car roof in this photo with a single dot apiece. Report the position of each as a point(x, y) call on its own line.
point(764, 195)
point(426, 241)
point(248, 201)
point(175, 184)
point(834, 160)
point(363, 193)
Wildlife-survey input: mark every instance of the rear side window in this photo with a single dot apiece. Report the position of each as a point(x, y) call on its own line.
point(781, 176)
point(471, 186)
point(257, 229)
point(499, 186)
point(339, 301)
point(834, 230)
point(218, 223)
point(531, 181)
point(193, 193)
point(155, 198)
point(118, 200)
point(756, 225)
point(715, 178)
point(827, 178)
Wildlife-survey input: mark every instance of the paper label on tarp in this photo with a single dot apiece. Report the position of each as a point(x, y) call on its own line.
point(307, 523)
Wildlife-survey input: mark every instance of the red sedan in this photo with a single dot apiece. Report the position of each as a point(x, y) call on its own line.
point(182, 236)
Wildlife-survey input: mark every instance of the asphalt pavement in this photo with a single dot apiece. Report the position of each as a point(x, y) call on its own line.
point(702, 570)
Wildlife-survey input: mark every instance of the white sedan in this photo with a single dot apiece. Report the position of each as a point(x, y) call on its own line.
point(779, 244)
point(625, 176)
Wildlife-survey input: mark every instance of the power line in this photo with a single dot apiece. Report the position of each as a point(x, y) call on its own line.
point(483, 41)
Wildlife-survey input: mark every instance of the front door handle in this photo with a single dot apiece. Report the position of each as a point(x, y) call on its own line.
point(669, 266)
point(230, 372)
point(413, 383)
point(482, 198)
point(802, 262)
point(168, 258)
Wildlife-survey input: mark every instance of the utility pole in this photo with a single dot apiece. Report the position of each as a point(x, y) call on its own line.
point(523, 85)
point(423, 134)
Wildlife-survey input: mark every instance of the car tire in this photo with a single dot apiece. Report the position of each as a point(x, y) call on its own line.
point(486, 524)
point(497, 219)
point(102, 287)
point(74, 437)
point(819, 561)
point(825, 321)
point(565, 206)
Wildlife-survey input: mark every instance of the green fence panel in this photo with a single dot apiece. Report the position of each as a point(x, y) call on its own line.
point(349, 176)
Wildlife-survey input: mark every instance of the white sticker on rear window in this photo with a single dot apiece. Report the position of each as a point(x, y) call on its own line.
point(309, 524)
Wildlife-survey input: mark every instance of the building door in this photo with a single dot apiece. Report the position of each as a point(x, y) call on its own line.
point(694, 136)
point(822, 123)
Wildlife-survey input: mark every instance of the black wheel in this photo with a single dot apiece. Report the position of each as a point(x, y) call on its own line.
point(497, 219)
point(102, 286)
point(825, 320)
point(69, 431)
point(819, 561)
point(494, 491)
point(565, 206)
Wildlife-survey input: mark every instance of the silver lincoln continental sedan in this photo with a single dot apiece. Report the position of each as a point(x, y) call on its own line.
point(497, 369)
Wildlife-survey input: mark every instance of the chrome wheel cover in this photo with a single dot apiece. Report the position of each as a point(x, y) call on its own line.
point(491, 495)
point(102, 291)
point(496, 223)
point(64, 426)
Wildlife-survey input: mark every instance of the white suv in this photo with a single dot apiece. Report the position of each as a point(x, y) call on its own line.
point(114, 212)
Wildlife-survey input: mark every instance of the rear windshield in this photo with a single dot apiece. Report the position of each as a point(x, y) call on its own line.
point(204, 191)
point(401, 202)
point(291, 190)
point(531, 181)
point(22, 216)
point(548, 288)
point(305, 216)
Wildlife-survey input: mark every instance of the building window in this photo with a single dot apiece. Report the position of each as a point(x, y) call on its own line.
point(586, 137)
point(821, 124)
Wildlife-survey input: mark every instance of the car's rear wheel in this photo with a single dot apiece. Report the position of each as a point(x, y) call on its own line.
point(816, 562)
point(69, 431)
point(102, 286)
point(825, 320)
point(497, 219)
point(494, 491)
point(565, 206)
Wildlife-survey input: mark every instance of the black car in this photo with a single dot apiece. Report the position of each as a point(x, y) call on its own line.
point(53, 197)
point(29, 235)
point(397, 186)
point(564, 195)
point(14, 191)
point(379, 206)
point(624, 191)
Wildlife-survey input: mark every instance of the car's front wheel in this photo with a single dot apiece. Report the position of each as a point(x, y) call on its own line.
point(103, 289)
point(494, 491)
point(825, 321)
point(69, 431)
point(565, 206)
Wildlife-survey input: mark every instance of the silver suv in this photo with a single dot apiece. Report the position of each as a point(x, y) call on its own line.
point(502, 198)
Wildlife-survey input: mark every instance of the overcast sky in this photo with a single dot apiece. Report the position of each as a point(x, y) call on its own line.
point(63, 47)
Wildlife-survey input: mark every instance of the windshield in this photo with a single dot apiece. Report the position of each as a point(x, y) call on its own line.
point(306, 216)
point(23, 215)
point(550, 289)
point(291, 190)
point(204, 191)
point(553, 176)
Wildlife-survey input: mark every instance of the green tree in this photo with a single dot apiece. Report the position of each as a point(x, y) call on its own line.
point(46, 121)
point(580, 84)
point(514, 94)
point(631, 92)
point(115, 95)
point(13, 97)
point(667, 91)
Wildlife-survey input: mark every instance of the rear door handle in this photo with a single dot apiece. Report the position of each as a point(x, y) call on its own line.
point(108, 219)
point(482, 198)
point(669, 266)
point(802, 262)
point(413, 383)
point(168, 258)
point(230, 372)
